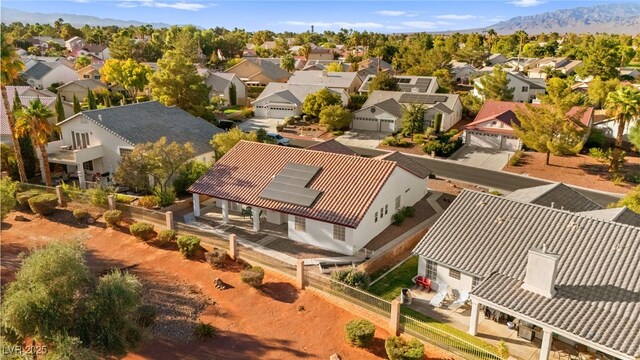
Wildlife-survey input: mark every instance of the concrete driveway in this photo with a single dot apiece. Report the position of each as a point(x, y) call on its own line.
point(255, 124)
point(490, 159)
point(362, 138)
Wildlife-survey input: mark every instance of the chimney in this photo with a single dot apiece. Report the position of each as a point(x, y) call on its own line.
point(541, 272)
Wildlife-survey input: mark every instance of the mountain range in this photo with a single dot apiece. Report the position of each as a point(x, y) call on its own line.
point(26, 17)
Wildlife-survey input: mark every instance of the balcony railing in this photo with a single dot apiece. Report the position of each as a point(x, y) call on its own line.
point(60, 153)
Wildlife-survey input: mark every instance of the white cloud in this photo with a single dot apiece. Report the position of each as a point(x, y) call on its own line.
point(341, 24)
point(397, 13)
point(456, 17)
point(526, 3)
point(179, 5)
point(420, 24)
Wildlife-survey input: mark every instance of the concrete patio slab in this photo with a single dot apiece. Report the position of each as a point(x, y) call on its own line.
point(491, 159)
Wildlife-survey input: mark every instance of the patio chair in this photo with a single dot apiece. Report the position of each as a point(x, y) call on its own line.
point(437, 300)
point(463, 297)
point(442, 288)
point(422, 282)
point(247, 212)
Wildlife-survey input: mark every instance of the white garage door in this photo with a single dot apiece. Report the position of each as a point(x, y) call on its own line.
point(490, 141)
point(280, 112)
point(365, 124)
point(387, 125)
point(509, 143)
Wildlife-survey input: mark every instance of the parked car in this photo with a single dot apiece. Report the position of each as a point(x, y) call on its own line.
point(226, 125)
point(279, 139)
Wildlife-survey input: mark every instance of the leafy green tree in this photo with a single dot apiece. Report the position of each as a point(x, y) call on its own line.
point(91, 100)
point(334, 117)
point(188, 174)
point(495, 86)
point(624, 105)
point(82, 61)
point(121, 46)
point(560, 94)
point(223, 142)
point(233, 62)
point(288, 62)
point(60, 109)
point(76, 105)
point(33, 121)
point(549, 130)
point(413, 119)
point(262, 36)
point(631, 200)
point(334, 67)
point(383, 81)
point(304, 51)
point(603, 58)
point(8, 189)
point(356, 101)
point(599, 89)
point(129, 74)
point(314, 103)
point(634, 136)
point(176, 82)
point(29, 158)
point(159, 160)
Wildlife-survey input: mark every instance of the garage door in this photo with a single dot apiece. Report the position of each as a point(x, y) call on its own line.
point(365, 124)
point(509, 143)
point(280, 112)
point(490, 141)
point(387, 125)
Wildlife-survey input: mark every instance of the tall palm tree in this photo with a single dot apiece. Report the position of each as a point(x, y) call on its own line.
point(33, 121)
point(304, 51)
point(10, 68)
point(624, 105)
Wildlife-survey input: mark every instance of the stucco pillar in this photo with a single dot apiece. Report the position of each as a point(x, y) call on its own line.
point(59, 195)
point(233, 246)
point(225, 211)
point(545, 348)
point(169, 220)
point(394, 319)
point(300, 274)
point(256, 218)
point(196, 204)
point(475, 315)
point(111, 199)
point(81, 179)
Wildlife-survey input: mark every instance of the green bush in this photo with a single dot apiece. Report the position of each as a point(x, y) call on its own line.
point(289, 120)
point(142, 230)
point(188, 245)
point(398, 218)
point(146, 315)
point(246, 112)
point(43, 204)
point(399, 348)
point(495, 192)
point(418, 139)
point(360, 332)
point(166, 236)
point(23, 197)
point(306, 118)
point(596, 139)
point(279, 128)
point(252, 276)
point(8, 189)
point(431, 146)
point(514, 160)
point(80, 214)
point(204, 330)
point(189, 173)
point(338, 133)
point(297, 117)
point(124, 199)
point(99, 196)
point(217, 258)
point(165, 197)
point(397, 141)
point(352, 277)
point(149, 202)
point(408, 211)
point(112, 217)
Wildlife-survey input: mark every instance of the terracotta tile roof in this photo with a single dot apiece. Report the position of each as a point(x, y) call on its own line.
point(348, 184)
point(332, 146)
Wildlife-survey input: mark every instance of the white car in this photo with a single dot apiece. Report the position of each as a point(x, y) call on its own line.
point(279, 139)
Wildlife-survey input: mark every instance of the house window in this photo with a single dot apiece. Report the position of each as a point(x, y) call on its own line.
point(97, 77)
point(85, 76)
point(398, 201)
point(125, 152)
point(429, 123)
point(386, 209)
point(375, 217)
point(300, 224)
point(381, 212)
point(85, 140)
point(454, 274)
point(338, 232)
point(431, 270)
point(475, 282)
point(525, 88)
point(88, 166)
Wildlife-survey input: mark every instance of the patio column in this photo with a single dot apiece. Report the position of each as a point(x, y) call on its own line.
point(475, 315)
point(545, 348)
point(255, 212)
point(81, 179)
point(196, 204)
point(225, 211)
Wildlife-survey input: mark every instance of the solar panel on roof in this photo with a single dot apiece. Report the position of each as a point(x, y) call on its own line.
point(289, 185)
point(422, 98)
point(404, 81)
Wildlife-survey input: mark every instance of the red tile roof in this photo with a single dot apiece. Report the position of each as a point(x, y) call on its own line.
point(332, 146)
point(348, 184)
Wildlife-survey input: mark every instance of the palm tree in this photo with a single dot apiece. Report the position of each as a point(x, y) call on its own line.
point(624, 105)
point(10, 68)
point(304, 51)
point(33, 121)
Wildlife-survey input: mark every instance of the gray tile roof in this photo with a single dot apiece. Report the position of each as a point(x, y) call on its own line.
point(392, 106)
point(342, 80)
point(407, 163)
point(407, 83)
point(269, 69)
point(86, 83)
point(217, 83)
point(39, 70)
point(293, 93)
point(556, 195)
point(377, 97)
point(533, 83)
point(5, 129)
point(621, 215)
point(332, 146)
point(149, 121)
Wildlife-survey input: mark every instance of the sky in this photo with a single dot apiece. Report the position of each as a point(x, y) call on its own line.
point(299, 15)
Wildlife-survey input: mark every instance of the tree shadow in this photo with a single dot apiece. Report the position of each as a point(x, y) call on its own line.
point(280, 291)
point(7, 226)
point(377, 347)
point(66, 217)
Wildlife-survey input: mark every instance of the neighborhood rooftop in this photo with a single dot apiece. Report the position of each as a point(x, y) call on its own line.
point(379, 96)
point(323, 77)
point(556, 195)
point(332, 146)
point(423, 84)
point(294, 93)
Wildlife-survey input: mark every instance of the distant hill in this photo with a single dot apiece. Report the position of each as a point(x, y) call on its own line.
point(13, 15)
point(609, 18)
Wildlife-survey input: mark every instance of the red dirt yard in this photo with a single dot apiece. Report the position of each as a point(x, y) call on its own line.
point(251, 324)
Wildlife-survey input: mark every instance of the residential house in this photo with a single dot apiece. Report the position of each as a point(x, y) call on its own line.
point(79, 88)
point(319, 53)
point(493, 126)
point(546, 268)
point(372, 66)
point(407, 83)
point(91, 71)
point(259, 72)
point(93, 142)
point(630, 72)
point(279, 100)
point(43, 74)
point(524, 89)
point(333, 146)
point(566, 66)
point(74, 43)
point(224, 84)
point(322, 65)
point(609, 126)
point(97, 53)
point(383, 110)
point(332, 201)
point(556, 195)
point(43, 41)
point(463, 72)
point(298, 62)
point(520, 63)
point(496, 59)
point(31, 60)
point(347, 81)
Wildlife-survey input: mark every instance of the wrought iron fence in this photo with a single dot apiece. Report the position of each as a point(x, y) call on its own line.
point(250, 255)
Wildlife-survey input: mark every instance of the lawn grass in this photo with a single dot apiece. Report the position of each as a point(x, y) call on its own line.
point(389, 286)
point(233, 109)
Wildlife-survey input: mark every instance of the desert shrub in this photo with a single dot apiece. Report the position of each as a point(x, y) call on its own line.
point(217, 258)
point(289, 120)
point(149, 202)
point(142, 230)
point(99, 196)
point(418, 139)
point(431, 146)
point(408, 211)
point(80, 214)
point(23, 197)
point(166, 196)
point(188, 174)
point(596, 139)
point(399, 348)
point(495, 192)
point(352, 277)
point(146, 315)
point(112, 217)
point(398, 218)
point(514, 160)
point(204, 330)
point(617, 179)
point(279, 128)
point(69, 347)
point(633, 178)
point(166, 236)
point(188, 245)
point(397, 141)
point(252, 276)
point(246, 112)
point(360, 332)
point(8, 189)
point(124, 199)
point(338, 133)
point(43, 204)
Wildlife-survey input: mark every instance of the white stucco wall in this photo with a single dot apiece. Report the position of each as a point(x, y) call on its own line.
point(364, 119)
point(442, 277)
point(60, 74)
point(320, 234)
